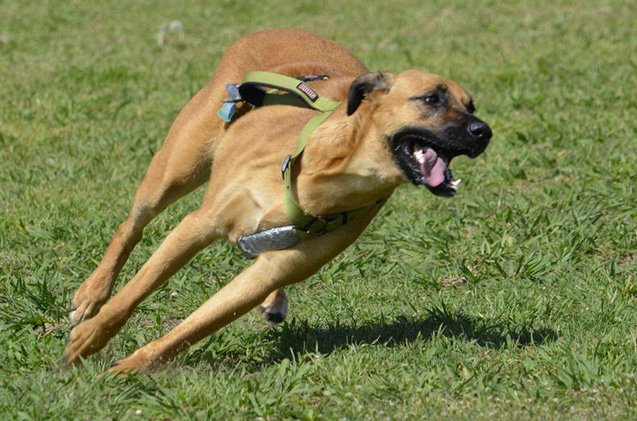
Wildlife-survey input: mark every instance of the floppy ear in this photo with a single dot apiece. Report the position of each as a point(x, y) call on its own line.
point(362, 86)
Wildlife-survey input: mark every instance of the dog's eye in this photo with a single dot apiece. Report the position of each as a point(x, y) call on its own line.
point(470, 107)
point(431, 99)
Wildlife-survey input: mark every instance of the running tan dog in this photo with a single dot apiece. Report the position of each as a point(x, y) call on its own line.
point(389, 129)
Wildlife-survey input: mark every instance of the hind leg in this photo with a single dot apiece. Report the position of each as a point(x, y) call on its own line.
point(181, 165)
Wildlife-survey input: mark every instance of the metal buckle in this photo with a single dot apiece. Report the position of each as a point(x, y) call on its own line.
point(285, 165)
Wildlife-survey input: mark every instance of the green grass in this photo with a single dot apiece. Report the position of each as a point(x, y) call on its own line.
point(516, 299)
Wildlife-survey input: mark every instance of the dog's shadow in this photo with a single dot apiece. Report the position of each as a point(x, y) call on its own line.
point(301, 337)
point(298, 338)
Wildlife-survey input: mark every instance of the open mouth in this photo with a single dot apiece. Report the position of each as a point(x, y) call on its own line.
point(435, 171)
point(425, 163)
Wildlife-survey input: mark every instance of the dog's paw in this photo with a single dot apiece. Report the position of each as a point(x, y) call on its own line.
point(83, 310)
point(88, 299)
point(274, 316)
point(85, 339)
point(139, 362)
point(275, 310)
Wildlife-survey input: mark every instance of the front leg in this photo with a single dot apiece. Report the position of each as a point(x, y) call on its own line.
point(271, 271)
point(195, 232)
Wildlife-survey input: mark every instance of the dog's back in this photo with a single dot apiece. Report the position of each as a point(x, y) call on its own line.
point(278, 51)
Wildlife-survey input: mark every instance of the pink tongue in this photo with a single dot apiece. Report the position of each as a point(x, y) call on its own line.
point(433, 168)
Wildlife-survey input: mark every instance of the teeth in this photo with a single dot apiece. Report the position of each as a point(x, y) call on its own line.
point(420, 156)
point(455, 183)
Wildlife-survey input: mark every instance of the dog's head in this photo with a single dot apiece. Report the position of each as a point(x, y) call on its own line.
point(424, 120)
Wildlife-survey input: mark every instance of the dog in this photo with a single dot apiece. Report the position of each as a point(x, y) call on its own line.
point(388, 129)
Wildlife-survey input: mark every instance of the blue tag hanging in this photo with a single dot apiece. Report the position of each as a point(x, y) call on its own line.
point(229, 107)
point(227, 111)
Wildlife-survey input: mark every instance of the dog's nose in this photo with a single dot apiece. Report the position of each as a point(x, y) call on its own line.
point(480, 130)
point(480, 133)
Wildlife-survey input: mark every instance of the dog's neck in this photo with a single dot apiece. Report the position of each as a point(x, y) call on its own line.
point(338, 171)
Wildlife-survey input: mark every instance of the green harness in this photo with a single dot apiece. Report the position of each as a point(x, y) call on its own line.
point(266, 88)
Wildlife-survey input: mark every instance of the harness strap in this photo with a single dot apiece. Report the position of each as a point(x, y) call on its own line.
point(293, 208)
point(254, 90)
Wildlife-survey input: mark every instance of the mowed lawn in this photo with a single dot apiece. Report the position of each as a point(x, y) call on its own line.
point(516, 299)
